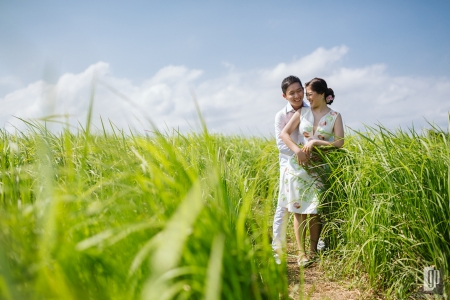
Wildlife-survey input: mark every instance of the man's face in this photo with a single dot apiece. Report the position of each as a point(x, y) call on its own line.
point(294, 94)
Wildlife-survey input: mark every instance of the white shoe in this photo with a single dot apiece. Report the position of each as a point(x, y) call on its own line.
point(321, 246)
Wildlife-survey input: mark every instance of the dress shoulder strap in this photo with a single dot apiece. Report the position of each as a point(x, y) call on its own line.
point(304, 111)
point(304, 114)
point(334, 114)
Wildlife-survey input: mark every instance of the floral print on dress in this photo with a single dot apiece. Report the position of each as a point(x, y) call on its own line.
point(320, 130)
point(300, 186)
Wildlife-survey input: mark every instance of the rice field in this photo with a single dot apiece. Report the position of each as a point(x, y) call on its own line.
point(115, 215)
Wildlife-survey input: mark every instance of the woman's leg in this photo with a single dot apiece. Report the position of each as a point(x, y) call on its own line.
point(300, 232)
point(315, 226)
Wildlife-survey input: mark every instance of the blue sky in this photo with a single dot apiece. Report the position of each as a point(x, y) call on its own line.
point(388, 61)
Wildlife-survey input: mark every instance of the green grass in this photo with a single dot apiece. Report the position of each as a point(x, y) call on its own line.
point(116, 216)
point(389, 208)
point(113, 215)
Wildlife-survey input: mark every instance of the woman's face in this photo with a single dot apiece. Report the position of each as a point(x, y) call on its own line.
point(314, 98)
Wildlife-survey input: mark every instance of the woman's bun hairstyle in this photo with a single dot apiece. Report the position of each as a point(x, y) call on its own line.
point(319, 86)
point(329, 96)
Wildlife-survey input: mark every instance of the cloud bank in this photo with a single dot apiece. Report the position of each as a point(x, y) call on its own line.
point(238, 102)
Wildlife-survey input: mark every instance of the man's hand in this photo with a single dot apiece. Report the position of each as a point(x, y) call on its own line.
point(301, 157)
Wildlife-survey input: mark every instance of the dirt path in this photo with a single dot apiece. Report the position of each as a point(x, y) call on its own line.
point(316, 284)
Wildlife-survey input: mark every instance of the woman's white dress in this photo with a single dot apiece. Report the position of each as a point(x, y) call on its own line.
point(299, 191)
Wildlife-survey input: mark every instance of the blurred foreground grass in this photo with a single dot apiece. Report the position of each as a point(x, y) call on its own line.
point(115, 216)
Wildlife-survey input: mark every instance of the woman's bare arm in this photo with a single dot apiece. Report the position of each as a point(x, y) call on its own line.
point(338, 132)
point(286, 136)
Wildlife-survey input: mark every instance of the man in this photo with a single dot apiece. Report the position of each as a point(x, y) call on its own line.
point(293, 92)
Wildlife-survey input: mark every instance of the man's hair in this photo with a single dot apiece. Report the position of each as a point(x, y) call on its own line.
point(288, 81)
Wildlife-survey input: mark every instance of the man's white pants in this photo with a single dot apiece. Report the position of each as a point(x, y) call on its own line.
point(279, 229)
point(281, 213)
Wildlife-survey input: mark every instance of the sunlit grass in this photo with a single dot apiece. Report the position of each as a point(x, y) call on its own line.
point(120, 216)
point(389, 207)
point(115, 215)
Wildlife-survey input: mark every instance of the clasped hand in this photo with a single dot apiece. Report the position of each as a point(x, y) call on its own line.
point(304, 153)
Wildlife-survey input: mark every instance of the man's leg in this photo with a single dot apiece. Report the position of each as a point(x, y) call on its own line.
point(279, 232)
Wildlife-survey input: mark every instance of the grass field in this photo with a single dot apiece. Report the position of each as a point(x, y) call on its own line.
point(388, 208)
point(113, 215)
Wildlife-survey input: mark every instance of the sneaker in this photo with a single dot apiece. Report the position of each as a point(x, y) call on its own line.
point(321, 246)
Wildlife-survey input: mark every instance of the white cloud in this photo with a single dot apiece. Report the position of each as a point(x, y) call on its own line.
point(318, 62)
point(236, 102)
point(9, 84)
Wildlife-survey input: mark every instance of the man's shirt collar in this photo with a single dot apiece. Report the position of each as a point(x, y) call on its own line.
point(289, 107)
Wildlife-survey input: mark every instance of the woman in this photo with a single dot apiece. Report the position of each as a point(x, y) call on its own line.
point(320, 126)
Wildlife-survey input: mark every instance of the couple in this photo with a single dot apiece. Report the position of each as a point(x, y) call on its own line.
point(299, 128)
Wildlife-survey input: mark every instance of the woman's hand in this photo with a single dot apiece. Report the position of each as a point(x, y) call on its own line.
point(301, 157)
point(308, 147)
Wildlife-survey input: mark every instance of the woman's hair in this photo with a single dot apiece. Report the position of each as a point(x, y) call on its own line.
point(288, 81)
point(319, 86)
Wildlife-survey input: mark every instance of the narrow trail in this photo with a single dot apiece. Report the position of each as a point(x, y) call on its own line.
point(316, 285)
